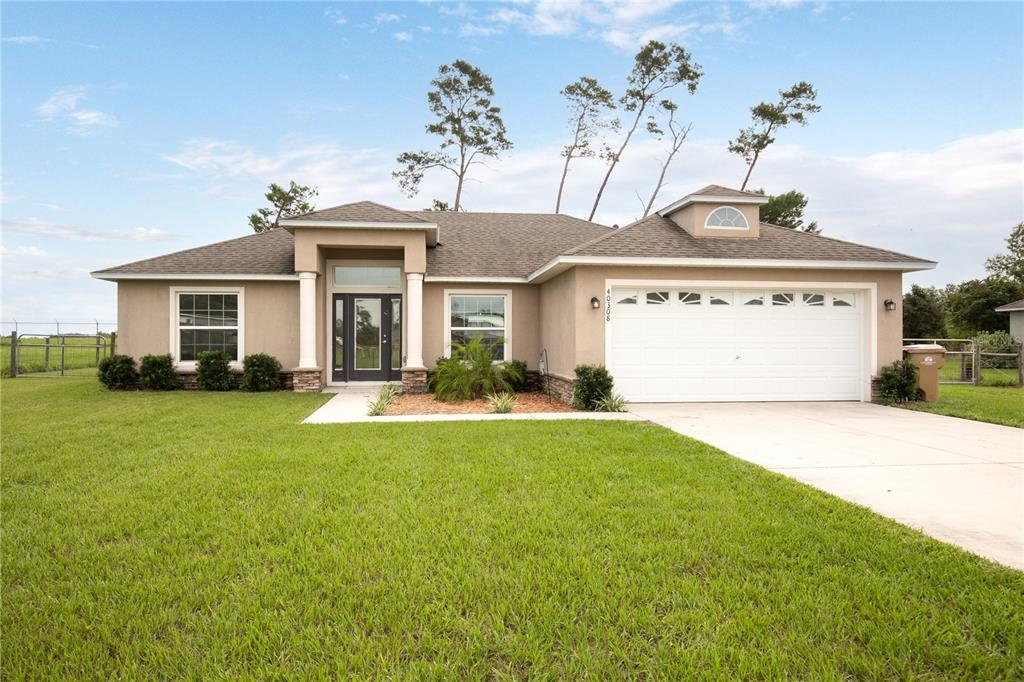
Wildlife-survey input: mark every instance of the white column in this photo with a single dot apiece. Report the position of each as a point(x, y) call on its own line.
point(414, 320)
point(307, 320)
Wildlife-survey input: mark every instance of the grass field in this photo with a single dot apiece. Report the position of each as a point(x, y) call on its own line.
point(990, 376)
point(193, 535)
point(79, 353)
point(998, 405)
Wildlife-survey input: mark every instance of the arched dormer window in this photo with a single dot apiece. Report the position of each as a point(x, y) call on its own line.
point(726, 218)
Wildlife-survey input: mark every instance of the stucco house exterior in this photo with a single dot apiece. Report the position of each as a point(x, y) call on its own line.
point(1016, 312)
point(697, 302)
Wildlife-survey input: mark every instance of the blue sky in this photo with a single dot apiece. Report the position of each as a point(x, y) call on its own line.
point(131, 130)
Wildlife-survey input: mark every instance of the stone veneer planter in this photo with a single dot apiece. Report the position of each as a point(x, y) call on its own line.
point(557, 387)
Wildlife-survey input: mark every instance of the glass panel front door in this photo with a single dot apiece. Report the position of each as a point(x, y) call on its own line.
point(367, 338)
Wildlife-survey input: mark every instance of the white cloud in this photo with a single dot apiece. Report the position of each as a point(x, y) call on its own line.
point(31, 251)
point(457, 10)
point(471, 30)
point(45, 228)
point(336, 16)
point(954, 204)
point(63, 105)
point(402, 36)
point(28, 40)
point(387, 18)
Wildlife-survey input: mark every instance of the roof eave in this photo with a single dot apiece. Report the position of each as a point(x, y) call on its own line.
point(193, 276)
point(431, 229)
point(709, 199)
point(559, 264)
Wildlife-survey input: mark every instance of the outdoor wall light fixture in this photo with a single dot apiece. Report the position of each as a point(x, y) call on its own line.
point(889, 304)
point(595, 303)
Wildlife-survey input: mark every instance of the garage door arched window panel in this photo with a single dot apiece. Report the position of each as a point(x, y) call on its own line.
point(844, 300)
point(657, 298)
point(752, 298)
point(783, 299)
point(720, 297)
point(626, 297)
point(690, 298)
point(726, 218)
point(813, 300)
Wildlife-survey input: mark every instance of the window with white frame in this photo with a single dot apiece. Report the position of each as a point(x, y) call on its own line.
point(207, 320)
point(726, 218)
point(479, 316)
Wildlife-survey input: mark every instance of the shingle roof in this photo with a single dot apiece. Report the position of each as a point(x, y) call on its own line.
point(361, 212)
point(265, 253)
point(509, 245)
point(659, 237)
point(1011, 307)
point(719, 191)
point(502, 244)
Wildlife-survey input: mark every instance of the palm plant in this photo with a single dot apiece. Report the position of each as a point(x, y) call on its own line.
point(471, 372)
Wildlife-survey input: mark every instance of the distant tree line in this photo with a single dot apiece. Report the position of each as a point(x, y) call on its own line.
point(966, 309)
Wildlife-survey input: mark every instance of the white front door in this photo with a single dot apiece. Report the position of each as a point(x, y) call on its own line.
point(700, 344)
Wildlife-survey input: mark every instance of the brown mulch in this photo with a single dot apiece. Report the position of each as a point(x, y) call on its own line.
point(426, 404)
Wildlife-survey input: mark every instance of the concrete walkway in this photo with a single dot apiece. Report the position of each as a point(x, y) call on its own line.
point(349, 406)
point(957, 480)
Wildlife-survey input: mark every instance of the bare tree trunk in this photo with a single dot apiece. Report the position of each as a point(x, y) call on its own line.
point(458, 193)
point(750, 169)
point(615, 162)
point(561, 184)
point(677, 144)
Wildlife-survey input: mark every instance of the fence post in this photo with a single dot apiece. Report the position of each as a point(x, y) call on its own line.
point(14, 354)
point(977, 362)
point(1020, 364)
point(113, 343)
point(46, 354)
point(62, 344)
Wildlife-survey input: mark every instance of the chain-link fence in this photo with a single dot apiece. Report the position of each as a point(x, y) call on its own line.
point(967, 362)
point(55, 349)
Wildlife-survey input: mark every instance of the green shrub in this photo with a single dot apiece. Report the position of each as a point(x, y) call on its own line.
point(261, 372)
point(212, 371)
point(502, 403)
point(379, 405)
point(516, 375)
point(613, 402)
point(899, 382)
point(997, 342)
point(593, 382)
point(471, 372)
point(118, 373)
point(156, 373)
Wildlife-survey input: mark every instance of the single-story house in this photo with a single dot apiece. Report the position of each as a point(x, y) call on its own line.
point(700, 301)
point(1016, 311)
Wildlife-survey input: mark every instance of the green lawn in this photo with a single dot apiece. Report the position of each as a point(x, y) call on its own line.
point(1004, 405)
point(192, 535)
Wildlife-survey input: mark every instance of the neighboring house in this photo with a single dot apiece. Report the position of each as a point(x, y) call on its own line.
point(697, 302)
point(1016, 311)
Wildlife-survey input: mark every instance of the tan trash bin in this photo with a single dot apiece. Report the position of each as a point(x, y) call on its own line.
point(929, 358)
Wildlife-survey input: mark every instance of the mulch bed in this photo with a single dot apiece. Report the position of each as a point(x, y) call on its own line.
point(427, 404)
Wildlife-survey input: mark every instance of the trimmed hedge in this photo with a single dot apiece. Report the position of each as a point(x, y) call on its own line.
point(156, 373)
point(261, 372)
point(593, 384)
point(118, 373)
point(212, 371)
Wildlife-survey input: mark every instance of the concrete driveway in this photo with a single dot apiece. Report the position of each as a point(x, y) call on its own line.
point(957, 480)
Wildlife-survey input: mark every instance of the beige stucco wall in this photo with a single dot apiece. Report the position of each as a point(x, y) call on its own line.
point(523, 334)
point(271, 317)
point(692, 219)
point(589, 325)
point(558, 312)
point(310, 242)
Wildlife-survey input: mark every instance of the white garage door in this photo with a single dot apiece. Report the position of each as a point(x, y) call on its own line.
point(702, 344)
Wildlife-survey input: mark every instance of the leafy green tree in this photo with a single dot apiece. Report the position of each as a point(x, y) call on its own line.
point(1010, 264)
point(657, 68)
point(438, 205)
point(970, 306)
point(923, 315)
point(678, 134)
point(284, 203)
point(787, 210)
point(589, 104)
point(770, 117)
point(469, 125)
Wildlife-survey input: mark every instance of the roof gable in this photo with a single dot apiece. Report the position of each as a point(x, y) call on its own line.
point(359, 212)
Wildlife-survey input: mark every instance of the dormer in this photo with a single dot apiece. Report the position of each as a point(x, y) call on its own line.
point(716, 211)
